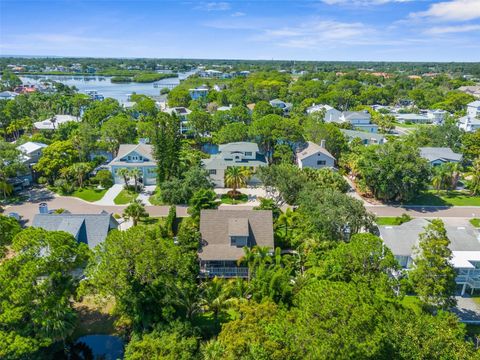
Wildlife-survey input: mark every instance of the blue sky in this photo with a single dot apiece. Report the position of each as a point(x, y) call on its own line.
point(389, 30)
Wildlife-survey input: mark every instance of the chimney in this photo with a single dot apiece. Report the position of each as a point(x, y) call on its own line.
point(322, 144)
point(43, 208)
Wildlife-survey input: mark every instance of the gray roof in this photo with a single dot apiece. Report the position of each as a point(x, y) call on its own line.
point(143, 149)
point(440, 153)
point(349, 115)
point(475, 103)
point(362, 135)
point(403, 238)
point(216, 226)
point(91, 229)
point(312, 149)
point(218, 162)
point(239, 146)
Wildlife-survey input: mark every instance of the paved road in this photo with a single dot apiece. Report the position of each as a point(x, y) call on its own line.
point(77, 206)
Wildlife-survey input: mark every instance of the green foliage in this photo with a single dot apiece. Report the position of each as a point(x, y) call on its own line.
point(232, 132)
point(393, 171)
point(36, 287)
point(335, 142)
point(148, 78)
point(104, 178)
point(202, 199)
point(135, 211)
point(56, 156)
point(9, 227)
point(167, 145)
point(432, 274)
point(119, 129)
point(180, 191)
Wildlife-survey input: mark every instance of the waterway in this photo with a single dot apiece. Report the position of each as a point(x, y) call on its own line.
point(99, 347)
point(103, 86)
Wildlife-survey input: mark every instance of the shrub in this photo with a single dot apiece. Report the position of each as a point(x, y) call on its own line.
point(104, 178)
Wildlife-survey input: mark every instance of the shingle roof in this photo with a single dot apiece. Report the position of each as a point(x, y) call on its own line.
point(145, 150)
point(47, 124)
point(312, 149)
point(439, 153)
point(91, 229)
point(403, 238)
point(356, 115)
point(30, 147)
point(218, 162)
point(238, 146)
point(216, 225)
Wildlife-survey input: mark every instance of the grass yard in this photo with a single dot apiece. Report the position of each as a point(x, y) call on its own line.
point(89, 194)
point(155, 198)
point(475, 222)
point(446, 198)
point(125, 197)
point(94, 318)
point(225, 199)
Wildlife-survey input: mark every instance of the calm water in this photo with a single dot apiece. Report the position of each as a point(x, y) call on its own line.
point(101, 346)
point(103, 85)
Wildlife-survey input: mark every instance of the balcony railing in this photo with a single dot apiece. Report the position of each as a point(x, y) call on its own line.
point(226, 272)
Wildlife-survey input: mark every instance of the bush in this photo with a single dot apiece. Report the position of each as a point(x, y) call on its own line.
point(64, 187)
point(104, 178)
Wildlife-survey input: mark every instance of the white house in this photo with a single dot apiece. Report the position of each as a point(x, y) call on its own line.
point(439, 155)
point(464, 244)
point(331, 114)
point(473, 109)
point(54, 122)
point(31, 151)
point(315, 156)
point(182, 114)
point(233, 154)
point(360, 120)
point(471, 122)
point(365, 137)
point(7, 95)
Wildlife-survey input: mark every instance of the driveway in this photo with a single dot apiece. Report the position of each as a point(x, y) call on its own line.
point(253, 193)
point(467, 309)
point(110, 195)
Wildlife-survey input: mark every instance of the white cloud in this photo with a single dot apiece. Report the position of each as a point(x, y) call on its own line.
point(362, 2)
point(439, 30)
point(213, 6)
point(454, 10)
point(238, 13)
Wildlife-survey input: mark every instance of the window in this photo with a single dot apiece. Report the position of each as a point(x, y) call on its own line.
point(321, 162)
point(212, 172)
point(248, 153)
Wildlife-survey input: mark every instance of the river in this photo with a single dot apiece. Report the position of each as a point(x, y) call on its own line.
point(103, 86)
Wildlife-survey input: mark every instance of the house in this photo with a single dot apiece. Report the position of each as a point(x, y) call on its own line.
point(7, 95)
point(315, 156)
point(472, 90)
point(439, 155)
point(224, 235)
point(411, 118)
point(200, 92)
point(54, 122)
point(279, 104)
point(436, 116)
point(31, 151)
point(91, 229)
point(182, 114)
point(473, 109)
point(233, 154)
point(468, 124)
point(331, 114)
point(365, 137)
point(225, 108)
point(464, 244)
point(360, 120)
point(132, 156)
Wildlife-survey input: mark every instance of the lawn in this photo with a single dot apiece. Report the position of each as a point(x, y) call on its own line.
point(225, 199)
point(93, 318)
point(125, 197)
point(388, 220)
point(475, 222)
point(446, 198)
point(155, 198)
point(89, 194)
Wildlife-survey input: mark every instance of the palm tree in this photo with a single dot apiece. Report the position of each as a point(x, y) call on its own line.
point(213, 297)
point(237, 177)
point(437, 181)
point(125, 173)
point(474, 177)
point(135, 173)
point(80, 170)
point(135, 211)
point(248, 258)
point(6, 188)
point(287, 220)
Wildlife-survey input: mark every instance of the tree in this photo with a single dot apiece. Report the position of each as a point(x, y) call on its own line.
point(200, 124)
point(135, 211)
point(331, 215)
point(433, 275)
point(471, 145)
point(287, 221)
point(125, 173)
point(180, 191)
point(178, 96)
point(104, 178)
point(136, 174)
point(79, 171)
point(167, 146)
point(10, 166)
point(9, 227)
point(56, 156)
point(335, 142)
point(36, 290)
point(282, 182)
point(232, 132)
point(143, 273)
point(213, 297)
point(393, 171)
point(237, 177)
point(119, 129)
point(474, 177)
point(202, 199)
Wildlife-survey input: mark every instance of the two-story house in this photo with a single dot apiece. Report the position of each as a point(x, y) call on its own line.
point(331, 114)
point(182, 114)
point(471, 122)
point(233, 154)
point(360, 120)
point(31, 153)
point(224, 235)
point(315, 156)
point(138, 156)
point(200, 92)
